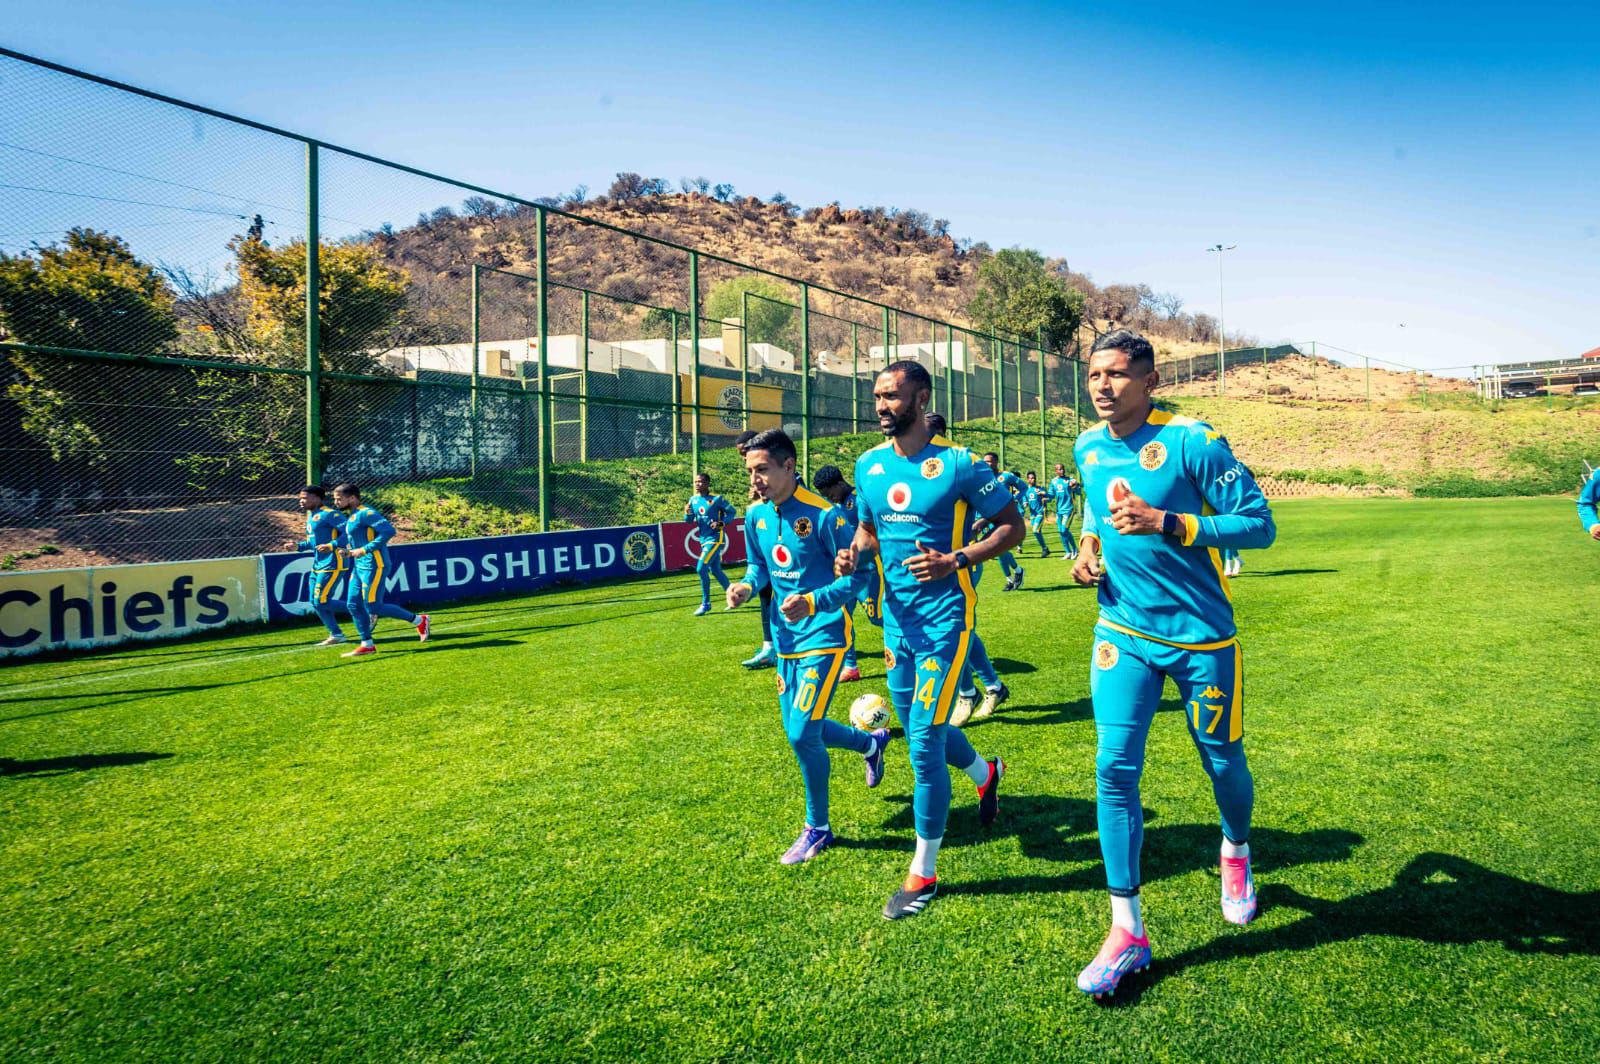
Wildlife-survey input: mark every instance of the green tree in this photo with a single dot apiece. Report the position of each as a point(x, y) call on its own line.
point(360, 301)
point(772, 312)
point(1017, 296)
point(90, 293)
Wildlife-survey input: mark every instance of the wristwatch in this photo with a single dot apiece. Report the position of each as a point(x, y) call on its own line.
point(962, 561)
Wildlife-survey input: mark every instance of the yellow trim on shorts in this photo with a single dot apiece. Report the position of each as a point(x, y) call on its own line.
point(825, 689)
point(1236, 712)
point(1115, 627)
point(377, 581)
point(812, 653)
point(952, 679)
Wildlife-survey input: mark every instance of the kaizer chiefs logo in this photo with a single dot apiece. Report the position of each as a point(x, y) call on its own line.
point(1152, 456)
point(888, 658)
point(782, 687)
point(639, 551)
point(899, 497)
point(730, 407)
point(932, 468)
point(781, 556)
point(1105, 655)
point(802, 527)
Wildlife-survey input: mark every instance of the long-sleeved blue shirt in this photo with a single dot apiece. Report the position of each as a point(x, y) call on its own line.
point(1166, 588)
point(369, 529)
point(324, 526)
point(1063, 490)
point(1589, 501)
point(791, 547)
point(709, 514)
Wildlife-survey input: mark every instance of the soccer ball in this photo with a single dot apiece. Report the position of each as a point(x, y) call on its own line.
point(869, 712)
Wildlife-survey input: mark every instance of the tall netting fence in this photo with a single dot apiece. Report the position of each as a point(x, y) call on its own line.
point(199, 314)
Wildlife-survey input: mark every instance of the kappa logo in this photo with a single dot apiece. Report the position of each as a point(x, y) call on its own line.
point(1092, 458)
point(899, 497)
point(1152, 456)
point(782, 556)
point(930, 666)
point(876, 470)
point(1212, 436)
point(802, 527)
point(762, 524)
point(838, 522)
point(1105, 655)
point(811, 674)
point(932, 468)
point(888, 658)
point(1211, 692)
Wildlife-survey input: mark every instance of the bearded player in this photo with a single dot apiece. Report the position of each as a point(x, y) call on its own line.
point(1163, 495)
point(914, 493)
point(792, 537)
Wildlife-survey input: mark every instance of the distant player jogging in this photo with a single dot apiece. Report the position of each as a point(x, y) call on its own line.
point(832, 486)
point(325, 539)
point(1013, 485)
point(791, 540)
point(367, 534)
point(711, 515)
point(916, 492)
point(1589, 504)
point(1034, 499)
point(1064, 493)
point(1163, 494)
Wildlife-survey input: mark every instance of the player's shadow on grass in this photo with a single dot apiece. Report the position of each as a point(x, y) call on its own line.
point(1012, 667)
point(1056, 713)
point(61, 766)
point(1036, 821)
point(1281, 572)
point(1436, 898)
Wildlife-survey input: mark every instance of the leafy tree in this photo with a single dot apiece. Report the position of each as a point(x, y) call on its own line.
point(1017, 296)
point(722, 193)
point(90, 293)
point(772, 314)
point(361, 298)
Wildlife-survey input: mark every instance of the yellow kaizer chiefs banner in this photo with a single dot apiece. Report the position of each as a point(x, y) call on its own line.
point(723, 403)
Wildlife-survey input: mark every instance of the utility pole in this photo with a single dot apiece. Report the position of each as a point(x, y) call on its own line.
point(1222, 321)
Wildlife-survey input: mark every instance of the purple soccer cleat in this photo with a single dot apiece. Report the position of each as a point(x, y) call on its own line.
point(875, 759)
point(1122, 954)
point(810, 843)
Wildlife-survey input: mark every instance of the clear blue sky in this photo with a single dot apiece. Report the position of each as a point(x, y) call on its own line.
point(1375, 163)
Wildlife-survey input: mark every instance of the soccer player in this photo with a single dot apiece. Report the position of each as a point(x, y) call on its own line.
point(1589, 505)
point(766, 657)
point(1232, 563)
point(367, 534)
point(1013, 484)
point(791, 540)
point(1033, 498)
point(324, 537)
point(831, 484)
point(913, 493)
point(1163, 494)
point(710, 514)
point(1064, 490)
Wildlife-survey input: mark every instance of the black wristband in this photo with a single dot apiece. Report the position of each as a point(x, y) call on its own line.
point(1171, 525)
point(962, 561)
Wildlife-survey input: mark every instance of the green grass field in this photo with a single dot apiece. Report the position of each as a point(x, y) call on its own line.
point(553, 833)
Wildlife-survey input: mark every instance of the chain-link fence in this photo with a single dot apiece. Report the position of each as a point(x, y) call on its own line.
point(199, 313)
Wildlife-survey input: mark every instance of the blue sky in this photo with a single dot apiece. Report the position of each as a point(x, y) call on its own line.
point(1376, 164)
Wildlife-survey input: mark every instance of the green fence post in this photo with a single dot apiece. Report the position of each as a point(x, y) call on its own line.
point(313, 322)
point(855, 377)
point(1000, 395)
point(886, 358)
point(472, 427)
point(694, 355)
point(805, 379)
point(1043, 454)
point(543, 296)
point(1549, 396)
point(744, 357)
point(1077, 399)
point(677, 384)
point(948, 406)
point(1266, 377)
point(583, 378)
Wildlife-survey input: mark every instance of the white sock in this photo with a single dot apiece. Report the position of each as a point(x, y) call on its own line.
point(978, 771)
point(767, 645)
point(1235, 849)
point(1125, 914)
point(815, 827)
point(927, 855)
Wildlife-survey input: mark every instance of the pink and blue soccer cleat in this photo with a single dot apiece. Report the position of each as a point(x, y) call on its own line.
point(810, 843)
point(1238, 891)
point(1121, 955)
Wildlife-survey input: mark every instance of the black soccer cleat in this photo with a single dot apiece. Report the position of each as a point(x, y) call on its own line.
point(989, 793)
point(903, 902)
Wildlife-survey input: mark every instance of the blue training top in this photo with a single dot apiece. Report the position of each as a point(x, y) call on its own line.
point(928, 497)
point(1171, 589)
point(1062, 490)
point(324, 526)
point(1589, 501)
point(792, 547)
point(370, 529)
point(709, 511)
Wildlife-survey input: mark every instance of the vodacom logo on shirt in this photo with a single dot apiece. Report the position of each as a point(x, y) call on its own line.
point(899, 497)
point(782, 557)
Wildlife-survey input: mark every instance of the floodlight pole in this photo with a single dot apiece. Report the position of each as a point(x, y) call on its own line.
point(1222, 322)
point(313, 323)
